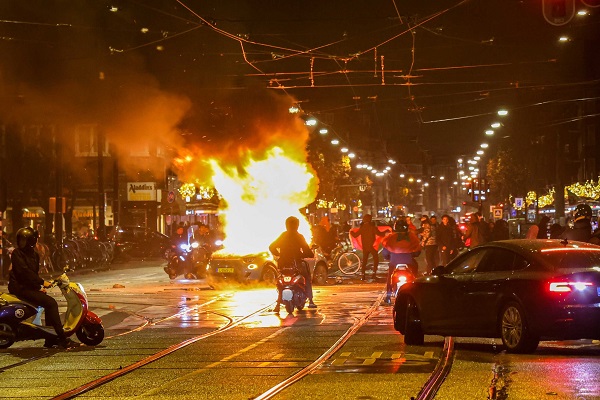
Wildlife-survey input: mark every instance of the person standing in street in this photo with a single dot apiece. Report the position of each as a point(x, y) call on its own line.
point(368, 233)
point(477, 231)
point(291, 247)
point(446, 238)
point(428, 236)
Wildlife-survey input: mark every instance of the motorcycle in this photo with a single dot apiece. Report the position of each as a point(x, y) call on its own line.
point(291, 285)
point(189, 260)
point(20, 320)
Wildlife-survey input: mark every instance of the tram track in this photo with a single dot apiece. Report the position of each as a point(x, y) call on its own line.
point(147, 323)
point(427, 392)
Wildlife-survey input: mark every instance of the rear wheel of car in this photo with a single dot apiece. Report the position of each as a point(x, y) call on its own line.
point(320, 275)
point(269, 275)
point(413, 332)
point(514, 330)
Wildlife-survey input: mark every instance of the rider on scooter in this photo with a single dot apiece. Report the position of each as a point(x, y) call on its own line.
point(25, 283)
point(402, 245)
point(291, 246)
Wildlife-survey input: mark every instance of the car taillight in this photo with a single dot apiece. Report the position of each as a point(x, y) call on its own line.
point(568, 286)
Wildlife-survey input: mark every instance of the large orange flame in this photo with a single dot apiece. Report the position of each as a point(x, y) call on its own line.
point(262, 175)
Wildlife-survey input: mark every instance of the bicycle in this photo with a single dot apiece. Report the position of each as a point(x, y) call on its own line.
point(349, 263)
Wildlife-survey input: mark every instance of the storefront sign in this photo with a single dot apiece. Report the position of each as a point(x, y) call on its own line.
point(141, 191)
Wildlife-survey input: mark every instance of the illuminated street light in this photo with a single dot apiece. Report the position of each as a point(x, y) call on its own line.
point(480, 152)
point(502, 113)
point(294, 110)
point(323, 131)
point(392, 162)
point(441, 178)
point(401, 175)
point(351, 155)
point(335, 141)
point(344, 149)
point(495, 125)
point(477, 158)
point(484, 145)
point(489, 132)
point(582, 12)
point(369, 167)
point(311, 122)
point(426, 184)
point(563, 39)
point(411, 179)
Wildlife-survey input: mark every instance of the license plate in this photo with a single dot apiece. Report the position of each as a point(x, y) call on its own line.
point(287, 278)
point(225, 270)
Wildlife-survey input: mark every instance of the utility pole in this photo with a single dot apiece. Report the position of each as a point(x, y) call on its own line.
point(101, 195)
point(58, 222)
point(3, 196)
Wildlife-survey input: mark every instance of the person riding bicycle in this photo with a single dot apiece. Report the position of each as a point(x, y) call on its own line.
point(26, 283)
point(291, 247)
point(402, 245)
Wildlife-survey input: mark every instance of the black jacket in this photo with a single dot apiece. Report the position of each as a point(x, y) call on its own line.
point(581, 231)
point(290, 246)
point(24, 274)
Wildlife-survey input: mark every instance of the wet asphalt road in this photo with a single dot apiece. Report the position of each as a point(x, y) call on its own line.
point(144, 313)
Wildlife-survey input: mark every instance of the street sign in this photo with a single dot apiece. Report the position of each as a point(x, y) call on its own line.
point(518, 202)
point(362, 187)
point(171, 196)
point(497, 213)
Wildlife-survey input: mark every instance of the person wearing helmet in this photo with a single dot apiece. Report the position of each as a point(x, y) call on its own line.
point(291, 247)
point(26, 283)
point(582, 227)
point(402, 244)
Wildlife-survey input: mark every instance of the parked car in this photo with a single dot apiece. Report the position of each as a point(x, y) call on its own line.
point(518, 290)
point(135, 241)
point(260, 267)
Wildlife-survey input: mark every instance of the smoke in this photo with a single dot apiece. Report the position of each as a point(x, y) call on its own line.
point(241, 126)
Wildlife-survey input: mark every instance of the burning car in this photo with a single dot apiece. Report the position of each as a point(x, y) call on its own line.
point(260, 267)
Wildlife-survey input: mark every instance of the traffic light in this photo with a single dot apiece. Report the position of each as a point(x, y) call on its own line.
point(558, 12)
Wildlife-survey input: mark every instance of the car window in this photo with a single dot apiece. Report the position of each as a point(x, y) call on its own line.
point(496, 260)
point(570, 259)
point(465, 264)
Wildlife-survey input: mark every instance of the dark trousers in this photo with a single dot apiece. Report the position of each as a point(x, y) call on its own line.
point(365, 259)
point(432, 257)
point(50, 308)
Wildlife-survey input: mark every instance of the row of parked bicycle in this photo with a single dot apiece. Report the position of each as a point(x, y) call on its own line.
point(75, 253)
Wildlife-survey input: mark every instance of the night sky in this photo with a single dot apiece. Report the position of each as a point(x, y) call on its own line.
point(448, 66)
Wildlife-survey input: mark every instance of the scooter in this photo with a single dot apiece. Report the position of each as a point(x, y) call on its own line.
point(291, 284)
point(20, 320)
point(188, 260)
point(400, 276)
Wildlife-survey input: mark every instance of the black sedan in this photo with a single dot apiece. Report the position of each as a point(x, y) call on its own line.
point(519, 290)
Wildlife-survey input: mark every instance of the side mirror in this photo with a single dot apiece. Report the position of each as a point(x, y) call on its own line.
point(439, 270)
